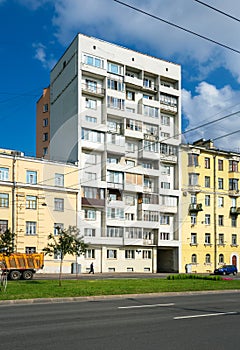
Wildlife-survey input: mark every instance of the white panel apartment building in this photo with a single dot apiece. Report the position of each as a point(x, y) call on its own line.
point(116, 113)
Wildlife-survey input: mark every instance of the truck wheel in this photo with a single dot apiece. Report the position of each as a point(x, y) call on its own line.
point(27, 275)
point(14, 275)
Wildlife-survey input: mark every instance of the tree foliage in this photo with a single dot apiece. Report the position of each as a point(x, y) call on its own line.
point(68, 241)
point(7, 242)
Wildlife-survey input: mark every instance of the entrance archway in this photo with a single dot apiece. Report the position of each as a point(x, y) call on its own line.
point(234, 260)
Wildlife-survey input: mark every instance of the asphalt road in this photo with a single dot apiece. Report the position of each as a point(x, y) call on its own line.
point(189, 322)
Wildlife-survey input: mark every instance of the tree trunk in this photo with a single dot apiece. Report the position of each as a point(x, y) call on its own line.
point(60, 273)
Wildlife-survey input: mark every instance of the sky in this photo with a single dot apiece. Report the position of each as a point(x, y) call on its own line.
point(35, 33)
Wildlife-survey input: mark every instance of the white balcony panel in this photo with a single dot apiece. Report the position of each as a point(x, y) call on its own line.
point(92, 145)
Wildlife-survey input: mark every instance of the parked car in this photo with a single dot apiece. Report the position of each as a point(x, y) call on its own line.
point(226, 270)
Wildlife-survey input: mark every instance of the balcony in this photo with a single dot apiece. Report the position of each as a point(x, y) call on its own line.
point(194, 207)
point(93, 91)
point(93, 202)
point(234, 210)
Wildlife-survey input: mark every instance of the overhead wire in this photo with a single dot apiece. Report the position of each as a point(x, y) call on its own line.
point(177, 26)
point(217, 10)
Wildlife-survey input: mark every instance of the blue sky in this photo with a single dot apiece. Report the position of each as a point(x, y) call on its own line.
point(35, 33)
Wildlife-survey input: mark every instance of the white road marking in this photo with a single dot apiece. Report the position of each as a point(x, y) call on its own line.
point(205, 315)
point(142, 306)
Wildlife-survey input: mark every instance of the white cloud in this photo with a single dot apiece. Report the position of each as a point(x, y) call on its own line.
point(33, 4)
point(210, 104)
point(112, 21)
point(41, 55)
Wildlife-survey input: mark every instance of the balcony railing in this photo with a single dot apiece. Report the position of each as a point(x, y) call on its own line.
point(234, 210)
point(194, 207)
point(93, 90)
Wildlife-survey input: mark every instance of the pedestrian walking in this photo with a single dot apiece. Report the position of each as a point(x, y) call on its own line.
point(91, 268)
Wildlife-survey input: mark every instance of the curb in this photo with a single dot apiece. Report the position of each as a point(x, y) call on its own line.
point(110, 297)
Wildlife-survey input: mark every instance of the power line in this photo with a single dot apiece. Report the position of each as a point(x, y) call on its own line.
point(177, 26)
point(217, 10)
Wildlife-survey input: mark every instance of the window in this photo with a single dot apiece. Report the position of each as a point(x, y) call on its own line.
point(45, 151)
point(193, 238)
point(114, 68)
point(165, 135)
point(193, 218)
point(31, 228)
point(207, 219)
point(164, 236)
point(130, 163)
point(59, 204)
point(4, 200)
point(233, 184)
point(3, 226)
point(150, 146)
point(116, 103)
point(45, 122)
point(89, 232)
point(220, 220)
point(92, 192)
point(165, 120)
point(133, 232)
point(129, 200)
point(93, 61)
point(233, 165)
point(208, 259)
point(220, 183)
point(57, 227)
point(129, 254)
point(90, 176)
point(207, 200)
point(115, 213)
point(45, 107)
point(31, 202)
point(165, 169)
point(92, 136)
point(220, 202)
point(148, 83)
point(207, 163)
point(90, 158)
point(220, 164)
point(207, 238)
point(165, 185)
point(113, 231)
point(45, 136)
point(146, 254)
point(130, 95)
point(193, 159)
point(148, 97)
point(90, 103)
point(149, 215)
point(207, 181)
point(31, 177)
point(90, 214)
point(90, 119)
point(91, 85)
point(59, 180)
point(221, 259)
point(134, 125)
point(149, 111)
point(234, 221)
point(164, 220)
point(193, 179)
point(111, 254)
point(90, 254)
point(168, 100)
point(194, 259)
point(57, 254)
point(115, 85)
point(30, 250)
point(221, 239)
point(234, 239)
point(115, 177)
point(4, 174)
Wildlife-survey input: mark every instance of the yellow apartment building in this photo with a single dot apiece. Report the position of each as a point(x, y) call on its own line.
point(210, 206)
point(36, 196)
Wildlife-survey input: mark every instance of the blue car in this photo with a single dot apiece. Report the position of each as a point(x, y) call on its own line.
point(226, 270)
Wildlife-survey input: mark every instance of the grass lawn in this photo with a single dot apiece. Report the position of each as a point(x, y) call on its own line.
point(76, 288)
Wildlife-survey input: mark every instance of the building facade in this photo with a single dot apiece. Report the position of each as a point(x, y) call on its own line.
point(210, 207)
point(115, 113)
point(36, 197)
point(43, 124)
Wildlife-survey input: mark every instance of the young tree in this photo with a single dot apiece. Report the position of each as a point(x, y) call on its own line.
point(7, 242)
point(67, 241)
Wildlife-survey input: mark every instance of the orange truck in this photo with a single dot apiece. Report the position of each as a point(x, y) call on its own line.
point(20, 265)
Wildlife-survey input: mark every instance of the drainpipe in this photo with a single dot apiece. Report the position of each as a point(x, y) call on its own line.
point(13, 198)
point(214, 212)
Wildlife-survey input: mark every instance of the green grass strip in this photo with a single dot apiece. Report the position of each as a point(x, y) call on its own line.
point(77, 288)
